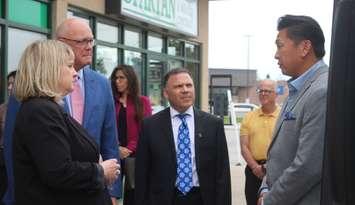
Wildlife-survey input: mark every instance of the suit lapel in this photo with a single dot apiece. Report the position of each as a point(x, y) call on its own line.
point(75, 125)
point(198, 136)
point(90, 90)
point(289, 108)
point(167, 133)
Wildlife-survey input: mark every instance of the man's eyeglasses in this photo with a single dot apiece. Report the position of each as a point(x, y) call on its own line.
point(81, 43)
point(262, 91)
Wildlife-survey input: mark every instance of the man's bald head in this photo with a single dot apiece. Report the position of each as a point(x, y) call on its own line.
point(69, 26)
point(78, 35)
point(267, 92)
point(269, 83)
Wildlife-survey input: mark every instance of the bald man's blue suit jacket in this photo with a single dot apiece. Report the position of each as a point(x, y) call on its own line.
point(99, 120)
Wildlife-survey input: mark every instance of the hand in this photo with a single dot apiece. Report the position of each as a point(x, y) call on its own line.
point(259, 171)
point(260, 199)
point(114, 201)
point(124, 152)
point(111, 170)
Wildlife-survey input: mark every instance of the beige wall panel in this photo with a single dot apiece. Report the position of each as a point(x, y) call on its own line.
point(97, 6)
point(59, 8)
point(203, 39)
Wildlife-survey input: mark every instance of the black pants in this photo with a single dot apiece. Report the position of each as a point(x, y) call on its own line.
point(252, 185)
point(3, 176)
point(128, 194)
point(128, 198)
point(191, 198)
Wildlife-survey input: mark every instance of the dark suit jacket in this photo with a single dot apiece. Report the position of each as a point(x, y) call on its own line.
point(55, 161)
point(156, 164)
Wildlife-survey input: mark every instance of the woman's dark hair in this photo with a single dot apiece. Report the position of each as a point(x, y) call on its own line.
point(11, 74)
point(132, 86)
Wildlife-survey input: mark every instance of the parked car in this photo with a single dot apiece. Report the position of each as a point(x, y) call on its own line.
point(240, 109)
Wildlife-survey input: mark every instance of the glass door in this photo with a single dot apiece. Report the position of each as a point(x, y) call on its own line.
point(155, 74)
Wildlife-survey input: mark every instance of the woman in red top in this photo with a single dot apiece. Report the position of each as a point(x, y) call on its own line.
point(131, 108)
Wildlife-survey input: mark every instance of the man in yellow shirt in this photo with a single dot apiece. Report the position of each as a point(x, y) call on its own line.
point(255, 137)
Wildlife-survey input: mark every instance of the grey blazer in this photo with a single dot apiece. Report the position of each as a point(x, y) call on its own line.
point(295, 155)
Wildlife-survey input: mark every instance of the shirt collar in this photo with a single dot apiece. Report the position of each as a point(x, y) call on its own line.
point(295, 85)
point(174, 113)
point(273, 114)
point(80, 74)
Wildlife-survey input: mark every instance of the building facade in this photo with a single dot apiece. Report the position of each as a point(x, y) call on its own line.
point(242, 83)
point(238, 81)
point(153, 36)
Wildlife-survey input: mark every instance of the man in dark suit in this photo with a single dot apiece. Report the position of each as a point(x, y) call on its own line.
point(182, 156)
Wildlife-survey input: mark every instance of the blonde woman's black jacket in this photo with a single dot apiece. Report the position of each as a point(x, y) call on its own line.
point(55, 161)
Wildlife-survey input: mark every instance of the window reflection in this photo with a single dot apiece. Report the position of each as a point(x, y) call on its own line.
point(71, 14)
point(17, 42)
point(106, 60)
point(132, 37)
point(107, 33)
point(154, 84)
point(191, 51)
point(155, 43)
point(193, 68)
point(134, 59)
point(174, 64)
point(175, 47)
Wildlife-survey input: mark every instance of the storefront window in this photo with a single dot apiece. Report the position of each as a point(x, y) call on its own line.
point(1, 2)
point(155, 43)
point(150, 53)
point(134, 59)
point(154, 84)
point(107, 33)
point(106, 59)
point(191, 51)
point(29, 12)
point(18, 40)
point(174, 64)
point(175, 47)
point(132, 37)
point(193, 68)
point(71, 14)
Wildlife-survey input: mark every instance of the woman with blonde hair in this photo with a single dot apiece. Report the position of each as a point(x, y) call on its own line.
point(55, 160)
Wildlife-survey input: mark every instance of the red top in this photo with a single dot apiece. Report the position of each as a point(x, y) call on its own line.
point(133, 128)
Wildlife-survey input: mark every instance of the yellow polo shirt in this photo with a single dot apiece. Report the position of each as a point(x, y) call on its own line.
point(259, 127)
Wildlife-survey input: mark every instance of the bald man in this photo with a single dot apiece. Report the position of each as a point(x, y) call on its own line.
point(95, 109)
point(255, 137)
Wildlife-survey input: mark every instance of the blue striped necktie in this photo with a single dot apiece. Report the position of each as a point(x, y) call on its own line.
point(184, 169)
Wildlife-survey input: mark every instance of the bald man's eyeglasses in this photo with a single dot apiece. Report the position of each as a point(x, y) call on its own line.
point(81, 43)
point(262, 91)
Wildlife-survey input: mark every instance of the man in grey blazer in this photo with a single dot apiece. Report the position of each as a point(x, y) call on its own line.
point(294, 162)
